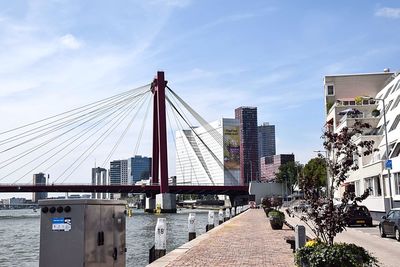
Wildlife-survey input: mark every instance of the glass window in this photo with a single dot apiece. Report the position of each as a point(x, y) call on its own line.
point(396, 178)
point(330, 90)
point(387, 92)
point(390, 214)
point(369, 185)
point(357, 188)
point(388, 106)
point(396, 103)
point(396, 214)
point(395, 123)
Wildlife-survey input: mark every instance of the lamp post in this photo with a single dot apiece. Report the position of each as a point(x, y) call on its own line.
point(387, 147)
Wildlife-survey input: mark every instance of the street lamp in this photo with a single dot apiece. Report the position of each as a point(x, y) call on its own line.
point(327, 171)
point(387, 146)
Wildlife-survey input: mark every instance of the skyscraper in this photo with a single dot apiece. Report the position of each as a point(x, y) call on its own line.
point(139, 168)
point(266, 140)
point(39, 179)
point(249, 161)
point(119, 172)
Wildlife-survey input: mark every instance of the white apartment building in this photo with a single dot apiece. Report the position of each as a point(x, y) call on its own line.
point(361, 92)
point(209, 155)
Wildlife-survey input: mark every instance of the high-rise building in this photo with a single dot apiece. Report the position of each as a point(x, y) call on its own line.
point(39, 179)
point(119, 172)
point(270, 165)
point(249, 160)
point(209, 154)
point(266, 140)
point(139, 168)
point(99, 177)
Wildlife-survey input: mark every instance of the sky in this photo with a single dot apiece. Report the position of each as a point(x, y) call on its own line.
point(217, 55)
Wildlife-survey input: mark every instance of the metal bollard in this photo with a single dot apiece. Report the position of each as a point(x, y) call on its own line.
point(160, 238)
point(192, 226)
point(210, 224)
point(300, 236)
point(220, 216)
point(227, 214)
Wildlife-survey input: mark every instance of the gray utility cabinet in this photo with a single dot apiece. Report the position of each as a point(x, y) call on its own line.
point(82, 232)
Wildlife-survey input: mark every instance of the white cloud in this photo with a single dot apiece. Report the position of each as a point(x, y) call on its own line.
point(388, 12)
point(69, 41)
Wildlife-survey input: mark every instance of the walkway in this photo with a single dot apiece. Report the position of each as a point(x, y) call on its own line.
point(245, 240)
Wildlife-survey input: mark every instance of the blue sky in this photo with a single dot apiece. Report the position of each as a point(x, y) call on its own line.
point(217, 55)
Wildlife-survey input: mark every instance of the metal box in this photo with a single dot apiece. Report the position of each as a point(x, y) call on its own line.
point(82, 232)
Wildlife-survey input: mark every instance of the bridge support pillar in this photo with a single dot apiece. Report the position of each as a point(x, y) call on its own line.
point(166, 202)
point(150, 204)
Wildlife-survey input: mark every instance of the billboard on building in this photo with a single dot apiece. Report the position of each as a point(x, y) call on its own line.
point(231, 147)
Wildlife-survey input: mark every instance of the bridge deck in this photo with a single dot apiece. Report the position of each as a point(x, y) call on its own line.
point(148, 189)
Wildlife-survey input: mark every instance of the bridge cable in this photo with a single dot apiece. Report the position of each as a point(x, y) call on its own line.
point(120, 139)
point(80, 134)
point(184, 144)
point(35, 148)
point(72, 110)
point(68, 123)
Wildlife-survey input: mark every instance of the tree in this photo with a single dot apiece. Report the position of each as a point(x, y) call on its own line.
point(289, 173)
point(324, 217)
point(314, 174)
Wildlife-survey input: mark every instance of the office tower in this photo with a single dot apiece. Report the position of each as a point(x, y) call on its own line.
point(139, 168)
point(39, 179)
point(266, 140)
point(119, 172)
point(249, 161)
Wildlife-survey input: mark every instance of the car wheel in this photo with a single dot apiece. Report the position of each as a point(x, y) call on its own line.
point(382, 232)
point(397, 234)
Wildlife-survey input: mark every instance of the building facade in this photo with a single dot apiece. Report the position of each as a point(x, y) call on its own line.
point(266, 140)
point(369, 93)
point(209, 155)
point(249, 160)
point(270, 165)
point(39, 179)
point(139, 168)
point(119, 172)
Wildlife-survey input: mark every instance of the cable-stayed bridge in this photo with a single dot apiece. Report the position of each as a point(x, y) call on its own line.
point(60, 144)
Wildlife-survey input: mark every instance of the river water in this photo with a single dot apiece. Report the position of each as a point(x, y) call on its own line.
point(20, 235)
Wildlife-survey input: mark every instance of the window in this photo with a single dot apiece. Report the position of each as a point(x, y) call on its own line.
point(369, 185)
point(396, 102)
point(396, 178)
point(387, 92)
point(395, 123)
point(388, 106)
point(374, 186)
point(357, 188)
point(395, 151)
point(355, 159)
point(330, 89)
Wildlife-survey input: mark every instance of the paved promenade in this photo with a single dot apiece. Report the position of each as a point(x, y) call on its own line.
point(245, 240)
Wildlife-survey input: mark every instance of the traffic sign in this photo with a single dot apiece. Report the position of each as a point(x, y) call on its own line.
point(388, 164)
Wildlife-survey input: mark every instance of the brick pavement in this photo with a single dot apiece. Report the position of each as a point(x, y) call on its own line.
point(245, 240)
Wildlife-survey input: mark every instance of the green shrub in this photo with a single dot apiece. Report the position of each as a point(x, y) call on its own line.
point(339, 254)
point(276, 214)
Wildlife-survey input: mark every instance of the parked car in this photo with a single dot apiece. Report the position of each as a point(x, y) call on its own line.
point(390, 224)
point(358, 215)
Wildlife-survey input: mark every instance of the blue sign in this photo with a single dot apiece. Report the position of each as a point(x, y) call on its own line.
point(388, 164)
